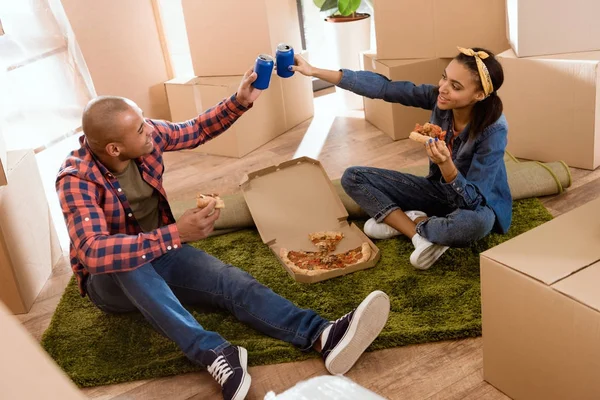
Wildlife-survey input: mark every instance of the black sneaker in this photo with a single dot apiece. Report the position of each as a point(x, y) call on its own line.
point(350, 335)
point(230, 369)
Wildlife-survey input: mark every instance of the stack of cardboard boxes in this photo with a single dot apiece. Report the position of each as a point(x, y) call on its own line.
point(122, 48)
point(29, 245)
point(416, 39)
point(551, 92)
point(540, 297)
point(225, 37)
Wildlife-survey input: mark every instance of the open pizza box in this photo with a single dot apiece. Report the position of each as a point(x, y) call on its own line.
point(295, 198)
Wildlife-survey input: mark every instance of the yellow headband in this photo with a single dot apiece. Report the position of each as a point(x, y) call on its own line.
point(484, 74)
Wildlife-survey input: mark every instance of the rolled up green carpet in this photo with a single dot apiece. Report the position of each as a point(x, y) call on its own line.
point(526, 179)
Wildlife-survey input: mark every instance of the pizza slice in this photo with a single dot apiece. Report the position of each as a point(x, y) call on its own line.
point(422, 133)
point(326, 241)
point(202, 200)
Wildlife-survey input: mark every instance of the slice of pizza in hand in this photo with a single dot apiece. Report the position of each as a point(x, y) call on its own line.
point(202, 200)
point(326, 240)
point(422, 133)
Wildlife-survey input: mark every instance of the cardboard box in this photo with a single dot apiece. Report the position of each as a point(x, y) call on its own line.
point(3, 156)
point(534, 29)
point(226, 36)
point(29, 245)
point(541, 310)
point(297, 97)
point(290, 200)
point(393, 118)
point(551, 104)
point(122, 49)
point(285, 104)
point(433, 28)
point(24, 361)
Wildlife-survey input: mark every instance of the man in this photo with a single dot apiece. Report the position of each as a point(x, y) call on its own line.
point(128, 252)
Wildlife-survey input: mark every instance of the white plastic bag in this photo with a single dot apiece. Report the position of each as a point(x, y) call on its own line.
point(326, 387)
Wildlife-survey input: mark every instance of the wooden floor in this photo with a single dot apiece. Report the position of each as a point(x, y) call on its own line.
point(338, 138)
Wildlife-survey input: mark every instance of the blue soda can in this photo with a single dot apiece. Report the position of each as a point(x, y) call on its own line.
point(263, 68)
point(284, 57)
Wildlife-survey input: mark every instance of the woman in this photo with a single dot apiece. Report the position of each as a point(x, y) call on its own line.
point(465, 195)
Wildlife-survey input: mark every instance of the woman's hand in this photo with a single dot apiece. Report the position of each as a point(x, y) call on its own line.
point(438, 151)
point(302, 66)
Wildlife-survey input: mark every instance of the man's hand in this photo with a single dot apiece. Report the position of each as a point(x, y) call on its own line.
point(246, 93)
point(302, 66)
point(197, 223)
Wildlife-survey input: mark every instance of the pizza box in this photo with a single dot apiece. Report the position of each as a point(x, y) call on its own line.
point(295, 198)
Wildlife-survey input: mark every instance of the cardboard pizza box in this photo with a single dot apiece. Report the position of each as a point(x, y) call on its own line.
point(295, 198)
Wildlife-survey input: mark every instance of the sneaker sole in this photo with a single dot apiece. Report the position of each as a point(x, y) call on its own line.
point(428, 257)
point(247, 379)
point(367, 322)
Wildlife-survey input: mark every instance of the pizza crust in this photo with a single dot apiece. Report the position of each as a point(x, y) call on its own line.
point(326, 234)
point(417, 137)
point(202, 200)
point(283, 254)
point(428, 131)
point(366, 253)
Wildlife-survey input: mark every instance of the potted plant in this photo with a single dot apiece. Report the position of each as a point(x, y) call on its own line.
point(349, 33)
point(343, 10)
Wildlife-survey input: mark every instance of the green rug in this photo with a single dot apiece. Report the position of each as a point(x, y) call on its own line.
point(442, 303)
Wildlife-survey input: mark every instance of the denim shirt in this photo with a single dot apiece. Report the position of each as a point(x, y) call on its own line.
point(481, 178)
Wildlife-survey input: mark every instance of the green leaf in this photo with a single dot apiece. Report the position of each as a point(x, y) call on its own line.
point(328, 4)
point(319, 3)
point(348, 7)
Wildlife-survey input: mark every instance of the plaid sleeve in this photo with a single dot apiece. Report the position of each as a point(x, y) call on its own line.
point(206, 126)
point(98, 250)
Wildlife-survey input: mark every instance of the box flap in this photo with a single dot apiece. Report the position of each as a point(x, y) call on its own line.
point(583, 286)
point(371, 60)
point(555, 249)
point(592, 56)
point(224, 81)
point(182, 80)
point(291, 199)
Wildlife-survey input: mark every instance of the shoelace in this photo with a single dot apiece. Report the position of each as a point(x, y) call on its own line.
point(342, 317)
point(220, 370)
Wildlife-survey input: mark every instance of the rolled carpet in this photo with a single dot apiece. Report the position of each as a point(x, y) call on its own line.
point(525, 178)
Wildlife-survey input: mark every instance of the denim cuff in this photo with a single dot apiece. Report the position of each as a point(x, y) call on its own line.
point(380, 216)
point(348, 79)
point(317, 336)
point(460, 186)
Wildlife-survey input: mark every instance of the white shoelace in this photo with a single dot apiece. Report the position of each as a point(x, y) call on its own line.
point(220, 370)
point(341, 318)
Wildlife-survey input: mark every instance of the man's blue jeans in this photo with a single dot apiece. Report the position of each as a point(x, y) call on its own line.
point(190, 276)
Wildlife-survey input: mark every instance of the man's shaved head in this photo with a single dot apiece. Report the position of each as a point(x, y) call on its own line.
point(100, 120)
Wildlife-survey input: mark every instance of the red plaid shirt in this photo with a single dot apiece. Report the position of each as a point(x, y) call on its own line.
point(105, 236)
